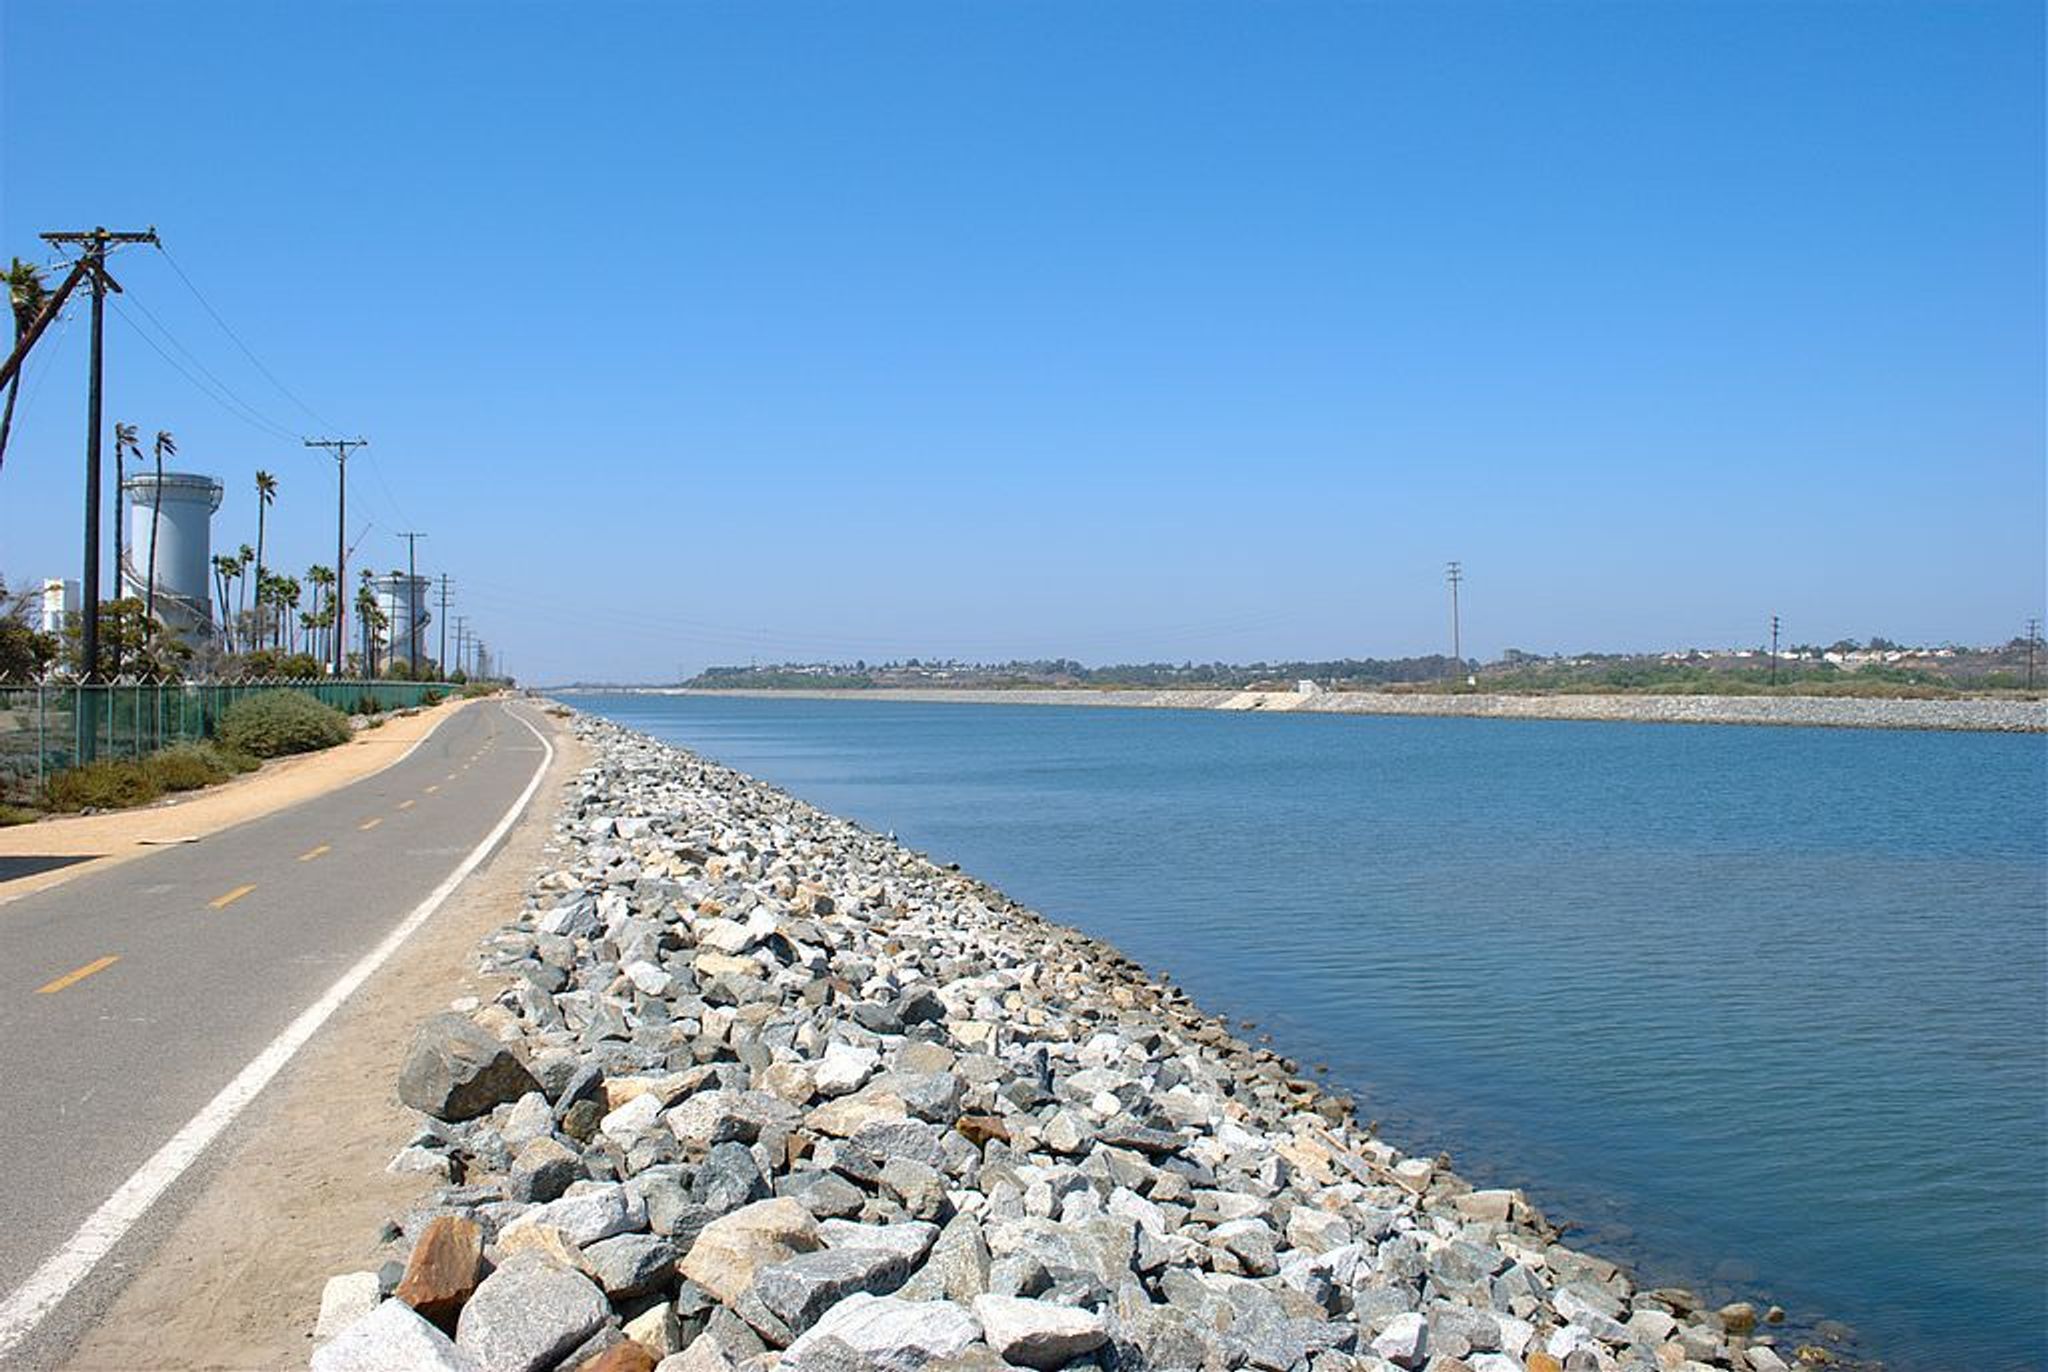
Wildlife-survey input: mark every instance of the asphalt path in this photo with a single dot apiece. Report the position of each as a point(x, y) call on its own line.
point(131, 997)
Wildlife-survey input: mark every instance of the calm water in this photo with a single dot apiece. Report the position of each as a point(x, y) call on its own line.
point(1764, 1011)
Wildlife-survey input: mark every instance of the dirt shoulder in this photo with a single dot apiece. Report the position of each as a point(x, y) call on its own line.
point(300, 1189)
point(122, 835)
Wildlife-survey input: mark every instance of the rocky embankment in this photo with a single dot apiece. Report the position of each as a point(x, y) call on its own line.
point(766, 1092)
point(1825, 712)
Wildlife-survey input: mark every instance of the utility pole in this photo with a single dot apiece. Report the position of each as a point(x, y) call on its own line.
point(1774, 650)
point(2033, 645)
point(94, 244)
point(340, 447)
point(412, 601)
point(442, 660)
point(461, 631)
point(1454, 572)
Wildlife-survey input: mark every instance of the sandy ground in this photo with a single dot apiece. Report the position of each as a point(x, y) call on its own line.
point(300, 1190)
point(125, 834)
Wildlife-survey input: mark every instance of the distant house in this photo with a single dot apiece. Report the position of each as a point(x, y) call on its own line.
point(1307, 688)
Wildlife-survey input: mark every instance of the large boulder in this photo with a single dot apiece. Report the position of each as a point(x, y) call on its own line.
point(1038, 1334)
point(392, 1338)
point(456, 1071)
point(724, 1257)
point(528, 1314)
point(883, 1333)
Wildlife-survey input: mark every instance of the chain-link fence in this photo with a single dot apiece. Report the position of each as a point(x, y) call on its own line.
point(46, 728)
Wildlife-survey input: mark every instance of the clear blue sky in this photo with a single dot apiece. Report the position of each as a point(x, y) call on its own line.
point(695, 333)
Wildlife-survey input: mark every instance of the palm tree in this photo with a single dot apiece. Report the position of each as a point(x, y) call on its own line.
point(26, 294)
point(245, 555)
point(164, 444)
point(322, 580)
point(372, 619)
point(227, 570)
point(125, 443)
point(266, 491)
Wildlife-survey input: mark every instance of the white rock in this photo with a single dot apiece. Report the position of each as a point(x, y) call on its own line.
point(1405, 1341)
point(344, 1300)
point(632, 1119)
point(648, 979)
point(391, 1338)
point(1037, 1333)
point(844, 1069)
point(891, 1334)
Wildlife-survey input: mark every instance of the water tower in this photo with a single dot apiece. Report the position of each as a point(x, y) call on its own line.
point(403, 599)
point(184, 548)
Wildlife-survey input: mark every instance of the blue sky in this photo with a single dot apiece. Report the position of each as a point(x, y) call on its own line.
point(701, 333)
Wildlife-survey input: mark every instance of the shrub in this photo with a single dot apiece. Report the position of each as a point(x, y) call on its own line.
point(190, 766)
point(471, 690)
point(279, 722)
point(18, 814)
point(108, 784)
point(432, 697)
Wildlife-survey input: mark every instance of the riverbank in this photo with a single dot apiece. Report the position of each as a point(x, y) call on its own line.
point(768, 1090)
point(1835, 712)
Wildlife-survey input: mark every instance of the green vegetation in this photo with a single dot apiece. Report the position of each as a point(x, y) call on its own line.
point(189, 766)
point(18, 814)
point(108, 784)
point(118, 783)
point(473, 690)
point(280, 722)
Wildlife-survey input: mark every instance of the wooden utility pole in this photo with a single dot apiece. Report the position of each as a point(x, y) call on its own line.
point(412, 600)
point(461, 630)
point(94, 245)
point(340, 447)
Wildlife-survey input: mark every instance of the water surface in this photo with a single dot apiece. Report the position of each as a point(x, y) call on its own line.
point(1758, 1010)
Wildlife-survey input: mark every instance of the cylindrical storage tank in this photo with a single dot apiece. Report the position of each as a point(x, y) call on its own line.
point(403, 599)
point(184, 547)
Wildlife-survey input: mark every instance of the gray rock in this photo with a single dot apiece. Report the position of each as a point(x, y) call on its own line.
point(1037, 1334)
point(542, 1171)
point(585, 1216)
point(909, 1239)
point(456, 1071)
point(883, 1333)
point(728, 1178)
point(392, 1338)
point(528, 1314)
point(1405, 1341)
point(957, 1268)
point(346, 1299)
point(803, 1288)
point(629, 1265)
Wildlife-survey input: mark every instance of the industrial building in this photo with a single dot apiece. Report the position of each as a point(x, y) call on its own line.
point(403, 601)
point(170, 529)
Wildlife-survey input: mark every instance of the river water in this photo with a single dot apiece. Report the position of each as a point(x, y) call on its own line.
point(1763, 1011)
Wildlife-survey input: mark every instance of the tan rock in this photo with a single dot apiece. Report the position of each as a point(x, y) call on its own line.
point(620, 1357)
point(725, 965)
point(725, 1255)
point(544, 1239)
point(844, 1117)
point(979, 1129)
point(790, 1081)
point(445, 1267)
point(1540, 1361)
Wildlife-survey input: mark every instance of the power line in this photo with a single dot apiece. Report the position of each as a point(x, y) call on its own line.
point(237, 408)
point(254, 360)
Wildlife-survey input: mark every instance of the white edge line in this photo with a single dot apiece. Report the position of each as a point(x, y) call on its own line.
point(30, 1304)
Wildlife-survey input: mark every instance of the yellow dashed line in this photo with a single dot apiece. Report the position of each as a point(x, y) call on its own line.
point(435, 787)
point(321, 851)
point(223, 902)
point(73, 978)
point(371, 823)
point(407, 804)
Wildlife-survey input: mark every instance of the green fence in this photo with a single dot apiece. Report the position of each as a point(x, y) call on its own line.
point(46, 728)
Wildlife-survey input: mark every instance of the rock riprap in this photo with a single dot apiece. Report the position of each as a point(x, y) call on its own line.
point(764, 1090)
